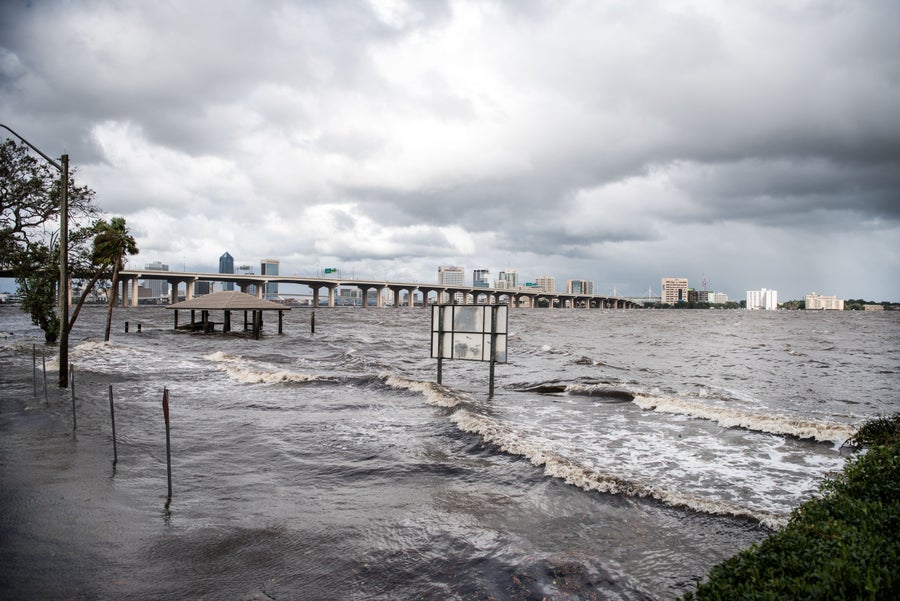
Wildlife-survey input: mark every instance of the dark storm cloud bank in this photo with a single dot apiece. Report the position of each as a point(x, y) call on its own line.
point(556, 129)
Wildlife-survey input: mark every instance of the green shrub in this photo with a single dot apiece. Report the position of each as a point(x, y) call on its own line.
point(843, 544)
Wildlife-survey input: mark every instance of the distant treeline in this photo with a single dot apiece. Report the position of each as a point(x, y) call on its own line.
point(698, 305)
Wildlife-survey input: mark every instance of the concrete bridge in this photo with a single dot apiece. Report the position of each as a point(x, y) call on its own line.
point(431, 293)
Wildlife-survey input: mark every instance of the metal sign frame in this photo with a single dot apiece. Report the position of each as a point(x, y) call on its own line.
point(470, 332)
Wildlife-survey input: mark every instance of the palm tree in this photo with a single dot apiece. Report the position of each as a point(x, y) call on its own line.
point(111, 245)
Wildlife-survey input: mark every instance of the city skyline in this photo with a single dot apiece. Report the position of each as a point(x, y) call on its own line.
point(596, 141)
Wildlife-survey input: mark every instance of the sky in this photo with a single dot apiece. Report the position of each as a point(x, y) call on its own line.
point(743, 144)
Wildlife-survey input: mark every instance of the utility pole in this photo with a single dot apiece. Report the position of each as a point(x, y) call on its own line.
point(64, 286)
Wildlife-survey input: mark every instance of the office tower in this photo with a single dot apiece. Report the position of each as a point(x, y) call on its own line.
point(451, 275)
point(507, 280)
point(673, 291)
point(269, 267)
point(159, 289)
point(226, 265)
point(546, 283)
point(579, 287)
point(481, 278)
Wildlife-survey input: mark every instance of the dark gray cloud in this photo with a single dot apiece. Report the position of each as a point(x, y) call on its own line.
point(618, 142)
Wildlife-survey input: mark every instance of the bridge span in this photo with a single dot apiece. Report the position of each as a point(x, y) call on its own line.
point(430, 293)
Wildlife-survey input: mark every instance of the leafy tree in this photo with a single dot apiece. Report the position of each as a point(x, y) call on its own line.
point(29, 230)
point(111, 245)
point(37, 281)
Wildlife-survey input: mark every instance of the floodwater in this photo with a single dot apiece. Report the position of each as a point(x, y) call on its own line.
point(622, 455)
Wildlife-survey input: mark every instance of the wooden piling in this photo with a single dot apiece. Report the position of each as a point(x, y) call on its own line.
point(312, 322)
point(34, 368)
point(165, 404)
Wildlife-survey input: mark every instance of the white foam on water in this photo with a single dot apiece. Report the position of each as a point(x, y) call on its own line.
point(220, 356)
point(546, 453)
point(251, 375)
point(116, 358)
point(731, 417)
point(245, 371)
point(434, 393)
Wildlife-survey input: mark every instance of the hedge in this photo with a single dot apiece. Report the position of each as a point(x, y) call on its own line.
point(842, 544)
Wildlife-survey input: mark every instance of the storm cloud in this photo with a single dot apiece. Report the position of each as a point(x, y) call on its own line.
point(750, 144)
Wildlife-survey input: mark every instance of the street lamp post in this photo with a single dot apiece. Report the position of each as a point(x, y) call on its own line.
point(63, 257)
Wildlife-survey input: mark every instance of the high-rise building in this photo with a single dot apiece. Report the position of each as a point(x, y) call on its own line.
point(507, 280)
point(832, 303)
point(579, 287)
point(545, 283)
point(451, 275)
point(269, 267)
point(226, 265)
point(718, 298)
point(481, 278)
point(673, 291)
point(247, 270)
point(762, 299)
point(159, 289)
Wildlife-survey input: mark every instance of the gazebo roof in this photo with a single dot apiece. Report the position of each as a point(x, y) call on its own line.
point(229, 301)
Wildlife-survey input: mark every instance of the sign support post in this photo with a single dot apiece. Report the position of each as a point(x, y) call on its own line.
point(471, 332)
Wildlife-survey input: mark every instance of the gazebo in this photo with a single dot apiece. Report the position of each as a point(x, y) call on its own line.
point(227, 302)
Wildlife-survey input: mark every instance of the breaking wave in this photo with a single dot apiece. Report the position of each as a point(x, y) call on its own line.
point(731, 417)
point(434, 393)
point(539, 452)
point(248, 373)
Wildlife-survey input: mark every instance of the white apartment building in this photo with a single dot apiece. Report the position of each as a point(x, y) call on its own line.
point(673, 291)
point(817, 302)
point(718, 298)
point(762, 299)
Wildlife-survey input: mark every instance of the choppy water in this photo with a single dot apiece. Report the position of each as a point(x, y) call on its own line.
point(623, 454)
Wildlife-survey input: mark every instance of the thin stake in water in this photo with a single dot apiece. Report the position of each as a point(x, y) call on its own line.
point(165, 404)
point(112, 417)
point(44, 361)
point(72, 379)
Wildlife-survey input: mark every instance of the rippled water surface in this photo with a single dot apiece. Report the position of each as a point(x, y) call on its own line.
point(622, 455)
